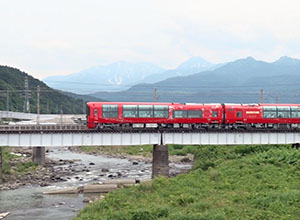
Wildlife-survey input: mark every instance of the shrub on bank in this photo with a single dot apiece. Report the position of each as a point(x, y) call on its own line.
point(18, 167)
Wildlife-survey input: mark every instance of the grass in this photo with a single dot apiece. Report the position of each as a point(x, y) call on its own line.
point(19, 168)
point(144, 150)
point(227, 182)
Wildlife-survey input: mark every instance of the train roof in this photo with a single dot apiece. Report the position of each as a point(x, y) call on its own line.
point(131, 103)
point(275, 104)
point(190, 104)
point(202, 104)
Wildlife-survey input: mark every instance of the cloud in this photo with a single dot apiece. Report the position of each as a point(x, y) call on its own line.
point(51, 37)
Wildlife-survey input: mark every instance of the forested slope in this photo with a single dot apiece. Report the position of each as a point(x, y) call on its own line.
point(12, 81)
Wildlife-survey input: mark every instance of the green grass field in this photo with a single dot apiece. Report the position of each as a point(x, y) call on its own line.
point(227, 182)
point(145, 150)
point(18, 168)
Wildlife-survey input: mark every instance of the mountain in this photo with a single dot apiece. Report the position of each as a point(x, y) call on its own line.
point(193, 65)
point(113, 77)
point(287, 61)
point(85, 98)
point(12, 82)
point(238, 81)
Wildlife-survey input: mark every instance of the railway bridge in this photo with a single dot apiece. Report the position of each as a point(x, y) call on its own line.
point(41, 136)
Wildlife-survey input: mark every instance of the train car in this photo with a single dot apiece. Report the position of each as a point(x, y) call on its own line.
point(191, 115)
point(127, 114)
point(194, 115)
point(141, 115)
point(262, 115)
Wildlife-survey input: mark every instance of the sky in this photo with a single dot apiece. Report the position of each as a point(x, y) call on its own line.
point(52, 37)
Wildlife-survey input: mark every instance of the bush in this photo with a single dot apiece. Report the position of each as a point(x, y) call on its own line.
point(142, 214)
point(177, 146)
point(23, 167)
point(179, 153)
point(184, 200)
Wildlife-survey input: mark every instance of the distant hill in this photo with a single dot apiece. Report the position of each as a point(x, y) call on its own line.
point(85, 98)
point(113, 77)
point(51, 101)
point(238, 81)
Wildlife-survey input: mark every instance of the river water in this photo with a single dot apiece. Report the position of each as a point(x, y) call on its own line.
point(31, 204)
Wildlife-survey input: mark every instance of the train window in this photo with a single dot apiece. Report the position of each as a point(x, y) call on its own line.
point(95, 112)
point(146, 111)
point(295, 112)
point(214, 114)
point(110, 111)
point(130, 111)
point(194, 114)
point(283, 112)
point(239, 114)
point(180, 114)
point(269, 111)
point(161, 111)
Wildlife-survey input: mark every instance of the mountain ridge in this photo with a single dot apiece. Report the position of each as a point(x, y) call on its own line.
point(237, 81)
point(121, 75)
point(114, 76)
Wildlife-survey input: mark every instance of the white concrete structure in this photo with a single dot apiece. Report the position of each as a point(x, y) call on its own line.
point(77, 139)
point(43, 118)
point(65, 138)
point(231, 138)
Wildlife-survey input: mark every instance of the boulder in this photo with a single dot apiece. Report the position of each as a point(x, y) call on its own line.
point(3, 215)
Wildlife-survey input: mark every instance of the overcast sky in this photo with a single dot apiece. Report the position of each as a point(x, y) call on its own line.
point(50, 37)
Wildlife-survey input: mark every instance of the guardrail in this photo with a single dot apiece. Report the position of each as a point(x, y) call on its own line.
point(42, 127)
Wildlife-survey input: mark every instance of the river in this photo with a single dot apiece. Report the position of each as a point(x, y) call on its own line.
point(31, 204)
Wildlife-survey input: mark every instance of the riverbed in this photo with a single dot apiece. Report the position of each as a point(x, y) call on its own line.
point(30, 202)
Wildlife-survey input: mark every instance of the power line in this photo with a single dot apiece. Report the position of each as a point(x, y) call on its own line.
point(38, 104)
point(155, 95)
point(26, 95)
point(261, 96)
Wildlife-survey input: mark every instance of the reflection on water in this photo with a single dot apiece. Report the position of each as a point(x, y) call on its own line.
point(30, 203)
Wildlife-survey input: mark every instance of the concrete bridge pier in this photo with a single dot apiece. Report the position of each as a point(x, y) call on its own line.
point(38, 155)
point(160, 161)
point(1, 164)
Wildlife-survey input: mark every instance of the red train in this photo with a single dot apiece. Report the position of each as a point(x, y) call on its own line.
point(191, 115)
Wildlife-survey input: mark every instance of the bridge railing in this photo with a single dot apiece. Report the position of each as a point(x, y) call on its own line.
point(42, 127)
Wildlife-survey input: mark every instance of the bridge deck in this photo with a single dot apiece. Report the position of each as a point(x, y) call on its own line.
point(76, 135)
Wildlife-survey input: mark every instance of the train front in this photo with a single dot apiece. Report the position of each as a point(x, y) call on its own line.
point(89, 118)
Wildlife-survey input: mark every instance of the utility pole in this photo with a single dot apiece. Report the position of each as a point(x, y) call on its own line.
point(7, 101)
point(277, 98)
point(155, 94)
point(48, 108)
point(38, 105)
point(61, 115)
point(1, 165)
point(26, 95)
point(83, 107)
point(261, 96)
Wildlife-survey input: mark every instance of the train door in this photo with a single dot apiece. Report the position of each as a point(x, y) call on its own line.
point(234, 114)
point(239, 115)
